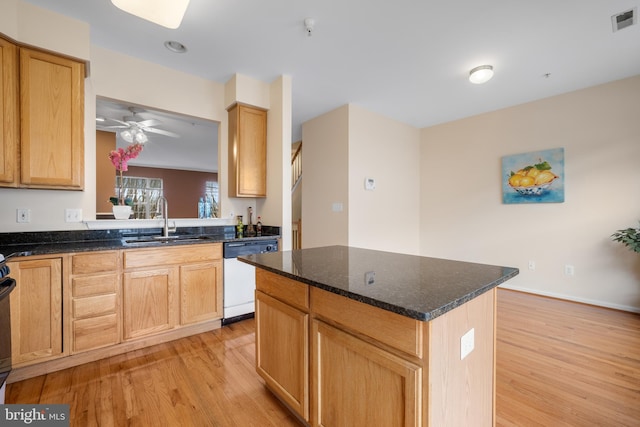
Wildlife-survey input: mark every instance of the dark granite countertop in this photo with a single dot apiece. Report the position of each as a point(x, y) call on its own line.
point(53, 242)
point(418, 287)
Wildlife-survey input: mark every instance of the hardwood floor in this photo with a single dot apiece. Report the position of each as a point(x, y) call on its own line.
point(558, 364)
point(565, 364)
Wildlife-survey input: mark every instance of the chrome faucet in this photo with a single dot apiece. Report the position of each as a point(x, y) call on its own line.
point(165, 215)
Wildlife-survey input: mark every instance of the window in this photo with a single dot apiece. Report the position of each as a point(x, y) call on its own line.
point(144, 192)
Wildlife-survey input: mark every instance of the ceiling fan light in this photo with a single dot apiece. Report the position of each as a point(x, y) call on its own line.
point(168, 13)
point(141, 137)
point(127, 135)
point(481, 74)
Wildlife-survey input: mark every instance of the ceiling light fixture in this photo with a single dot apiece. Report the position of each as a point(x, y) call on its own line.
point(481, 74)
point(168, 13)
point(175, 46)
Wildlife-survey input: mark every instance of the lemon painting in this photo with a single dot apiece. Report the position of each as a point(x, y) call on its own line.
point(536, 177)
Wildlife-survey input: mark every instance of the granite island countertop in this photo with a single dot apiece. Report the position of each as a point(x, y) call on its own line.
point(418, 287)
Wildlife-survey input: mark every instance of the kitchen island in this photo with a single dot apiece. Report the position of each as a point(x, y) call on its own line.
point(350, 336)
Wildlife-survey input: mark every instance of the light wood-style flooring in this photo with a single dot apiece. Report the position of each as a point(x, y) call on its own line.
point(558, 364)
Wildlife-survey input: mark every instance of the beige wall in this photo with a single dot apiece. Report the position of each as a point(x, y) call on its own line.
point(125, 78)
point(341, 149)
point(325, 166)
point(462, 215)
point(388, 151)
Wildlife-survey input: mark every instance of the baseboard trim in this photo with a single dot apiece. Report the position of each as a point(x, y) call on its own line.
point(572, 298)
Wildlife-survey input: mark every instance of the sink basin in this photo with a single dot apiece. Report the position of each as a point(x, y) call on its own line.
point(163, 239)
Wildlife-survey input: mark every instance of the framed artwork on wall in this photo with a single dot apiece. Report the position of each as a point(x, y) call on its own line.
point(535, 177)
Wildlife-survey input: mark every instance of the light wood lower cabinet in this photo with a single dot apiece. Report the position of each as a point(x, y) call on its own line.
point(200, 292)
point(357, 383)
point(95, 304)
point(282, 359)
point(36, 310)
point(148, 300)
point(369, 366)
point(164, 288)
point(282, 339)
point(79, 307)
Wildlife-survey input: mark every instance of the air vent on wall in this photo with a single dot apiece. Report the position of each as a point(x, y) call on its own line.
point(624, 19)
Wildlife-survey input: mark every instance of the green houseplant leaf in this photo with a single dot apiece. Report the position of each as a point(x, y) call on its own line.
point(630, 237)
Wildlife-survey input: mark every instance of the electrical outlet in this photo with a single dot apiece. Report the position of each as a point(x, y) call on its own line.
point(369, 277)
point(73, 215)
point(532, 265)
point(467, 343)
point(23, 215)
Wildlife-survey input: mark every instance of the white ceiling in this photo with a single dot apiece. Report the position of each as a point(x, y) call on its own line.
point(405, 59)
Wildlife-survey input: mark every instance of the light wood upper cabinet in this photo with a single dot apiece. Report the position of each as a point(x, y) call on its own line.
point(36, 310)
point(247, 151)
point(9, 119)
point(52, 121)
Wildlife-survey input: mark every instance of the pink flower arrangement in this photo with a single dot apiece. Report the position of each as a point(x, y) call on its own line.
point(119, 159)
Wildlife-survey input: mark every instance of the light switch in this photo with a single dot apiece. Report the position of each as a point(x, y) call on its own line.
point(467, 343)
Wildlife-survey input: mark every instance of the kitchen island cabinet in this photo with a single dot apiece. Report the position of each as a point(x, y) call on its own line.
point(389, 339)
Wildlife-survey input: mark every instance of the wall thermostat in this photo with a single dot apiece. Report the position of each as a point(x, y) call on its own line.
point(369, 184)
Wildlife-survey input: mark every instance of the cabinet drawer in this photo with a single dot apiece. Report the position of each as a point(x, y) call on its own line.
point(395, 330)
point(152, 257)
point(95, 332)
point(282, 288)
point(94, 306)
point(94, 262)
point(94, 285)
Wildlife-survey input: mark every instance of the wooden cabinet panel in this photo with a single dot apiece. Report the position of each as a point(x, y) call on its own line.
point(84, 286)
point(282, 351)
point(9, 119)
point(148, 302)
point(94, 306)
point(36, 310)
point(200, 292)
point(94, 262)
point(95, 332)
point(357, 383)
point(52, 120)
point(247, 151)
point(394, 330)
point(286, 290)
point(171, 256)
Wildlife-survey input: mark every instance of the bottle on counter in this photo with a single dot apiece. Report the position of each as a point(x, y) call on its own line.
point(201, 208)
point(251, 232)
point(207, 206)
point(259, 227)
point(239, 228)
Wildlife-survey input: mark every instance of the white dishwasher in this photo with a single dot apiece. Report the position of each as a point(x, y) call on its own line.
point(240, 278)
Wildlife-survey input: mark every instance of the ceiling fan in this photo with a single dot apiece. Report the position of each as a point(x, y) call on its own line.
point(136, 131)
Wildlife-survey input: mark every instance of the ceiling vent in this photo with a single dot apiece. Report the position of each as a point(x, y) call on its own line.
point(624, 19)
